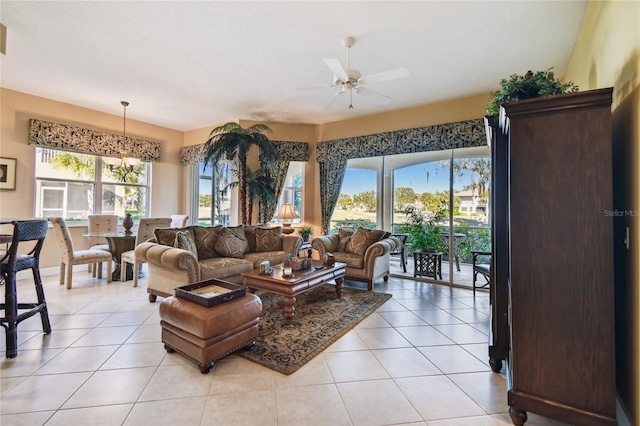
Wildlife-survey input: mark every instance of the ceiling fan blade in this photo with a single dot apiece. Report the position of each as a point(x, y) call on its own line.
point(384, 76)
point(332, 101)
point(336, 68)
point(379, 97)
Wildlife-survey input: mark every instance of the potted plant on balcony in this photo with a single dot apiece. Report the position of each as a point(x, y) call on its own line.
point(528, 86)
point(305, 232)
point(424, 234)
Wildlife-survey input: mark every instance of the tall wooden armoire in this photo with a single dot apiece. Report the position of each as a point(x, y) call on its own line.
point(559, 226)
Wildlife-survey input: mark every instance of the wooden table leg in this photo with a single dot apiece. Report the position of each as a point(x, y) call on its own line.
point(339, 282)
point(289, 309)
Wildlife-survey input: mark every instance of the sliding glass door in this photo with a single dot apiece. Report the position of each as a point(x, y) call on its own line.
point(450, 186)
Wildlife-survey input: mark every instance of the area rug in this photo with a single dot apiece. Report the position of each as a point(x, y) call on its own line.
point(319, 320)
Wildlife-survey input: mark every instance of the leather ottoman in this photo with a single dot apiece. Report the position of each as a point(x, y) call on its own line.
point(204, 335)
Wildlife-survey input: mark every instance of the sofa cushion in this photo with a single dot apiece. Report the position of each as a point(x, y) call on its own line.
point(345, 237)
point(223, 267)
point(352, 260)
point(167, 236)
point(185, 241)
point(268, 239)
point(230, 244)
point(206, 238)
point(362, 239)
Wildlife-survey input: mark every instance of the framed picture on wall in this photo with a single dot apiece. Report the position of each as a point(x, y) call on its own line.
point(7, 173)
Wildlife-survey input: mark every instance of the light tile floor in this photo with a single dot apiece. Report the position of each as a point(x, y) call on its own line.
point(420, 359)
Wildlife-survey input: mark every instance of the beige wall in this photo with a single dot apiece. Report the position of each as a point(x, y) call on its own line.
point(607, 54)
point(15, 111)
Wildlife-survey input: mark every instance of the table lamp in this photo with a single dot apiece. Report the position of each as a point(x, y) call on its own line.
point(287, 212)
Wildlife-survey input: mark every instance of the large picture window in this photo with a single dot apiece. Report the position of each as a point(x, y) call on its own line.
point(214, 194)
point(73, 186)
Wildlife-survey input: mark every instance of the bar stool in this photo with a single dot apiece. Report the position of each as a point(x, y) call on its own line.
point(12, 262)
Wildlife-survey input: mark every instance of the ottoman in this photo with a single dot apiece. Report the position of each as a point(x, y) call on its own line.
point(206, 334)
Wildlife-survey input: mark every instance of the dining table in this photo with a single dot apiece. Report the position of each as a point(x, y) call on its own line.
point(118, 242)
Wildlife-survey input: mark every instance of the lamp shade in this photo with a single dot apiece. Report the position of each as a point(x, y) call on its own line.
point(287, 212)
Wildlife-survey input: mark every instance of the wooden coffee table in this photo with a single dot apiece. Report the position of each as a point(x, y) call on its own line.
point(302, 281)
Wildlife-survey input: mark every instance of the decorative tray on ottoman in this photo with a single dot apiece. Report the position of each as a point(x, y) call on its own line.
point(210, 292)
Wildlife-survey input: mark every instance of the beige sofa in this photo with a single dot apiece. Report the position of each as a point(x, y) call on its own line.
point(365, 251)
point(177, 257)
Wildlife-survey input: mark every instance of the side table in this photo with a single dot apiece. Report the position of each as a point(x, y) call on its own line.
point(427, 264)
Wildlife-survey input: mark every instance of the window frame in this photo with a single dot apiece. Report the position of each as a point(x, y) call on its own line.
point(98, 182)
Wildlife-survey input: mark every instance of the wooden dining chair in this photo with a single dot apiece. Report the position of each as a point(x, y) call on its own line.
point(11, 263)
point(72, 257)
point(100, 224)
point(146, 226)
point(179, 220)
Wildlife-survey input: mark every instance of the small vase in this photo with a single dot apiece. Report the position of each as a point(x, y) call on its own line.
point(127, 223)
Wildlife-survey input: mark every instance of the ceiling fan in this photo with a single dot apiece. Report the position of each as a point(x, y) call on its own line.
point(350, 81)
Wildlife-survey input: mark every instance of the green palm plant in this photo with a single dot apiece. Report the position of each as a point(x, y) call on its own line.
point(260, 189)
point(233, 142)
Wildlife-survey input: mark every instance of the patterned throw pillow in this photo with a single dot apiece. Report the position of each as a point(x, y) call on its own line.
point(362, 239)
point(229, 244)
point(167, 236)
point(206, 238)
point(250, 235)
point(239, 231)
point(269, 239)
point(185, 241)
point(345, 237)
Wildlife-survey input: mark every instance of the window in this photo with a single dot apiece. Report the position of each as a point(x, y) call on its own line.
point(73, 186)
point(213, 206)
point(358, 201)
point(292, 190)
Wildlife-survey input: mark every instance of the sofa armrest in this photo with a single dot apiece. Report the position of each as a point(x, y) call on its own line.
point(377, 249)
point(291, 244)
point(325, 244)
point(171, 258)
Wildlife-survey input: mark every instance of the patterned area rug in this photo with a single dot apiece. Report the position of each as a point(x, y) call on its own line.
point(319, 320)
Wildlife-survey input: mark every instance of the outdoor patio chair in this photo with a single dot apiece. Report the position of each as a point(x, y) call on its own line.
point(483, 269)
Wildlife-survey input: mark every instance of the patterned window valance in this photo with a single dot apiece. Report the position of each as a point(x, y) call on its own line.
point(461, 134)
point(87, 141)
point(289, 151)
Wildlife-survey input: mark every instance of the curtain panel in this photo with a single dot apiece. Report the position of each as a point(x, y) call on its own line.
point(333, 155)
point(86, 141)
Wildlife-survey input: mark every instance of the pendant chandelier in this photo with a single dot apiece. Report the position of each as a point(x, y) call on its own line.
point(128, 163)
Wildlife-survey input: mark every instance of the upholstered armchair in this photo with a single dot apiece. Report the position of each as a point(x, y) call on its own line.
point(365, 251)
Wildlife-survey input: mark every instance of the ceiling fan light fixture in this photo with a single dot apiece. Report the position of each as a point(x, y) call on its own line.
point(351, 80)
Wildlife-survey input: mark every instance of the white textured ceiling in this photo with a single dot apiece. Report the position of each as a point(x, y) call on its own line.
point(187, 65)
